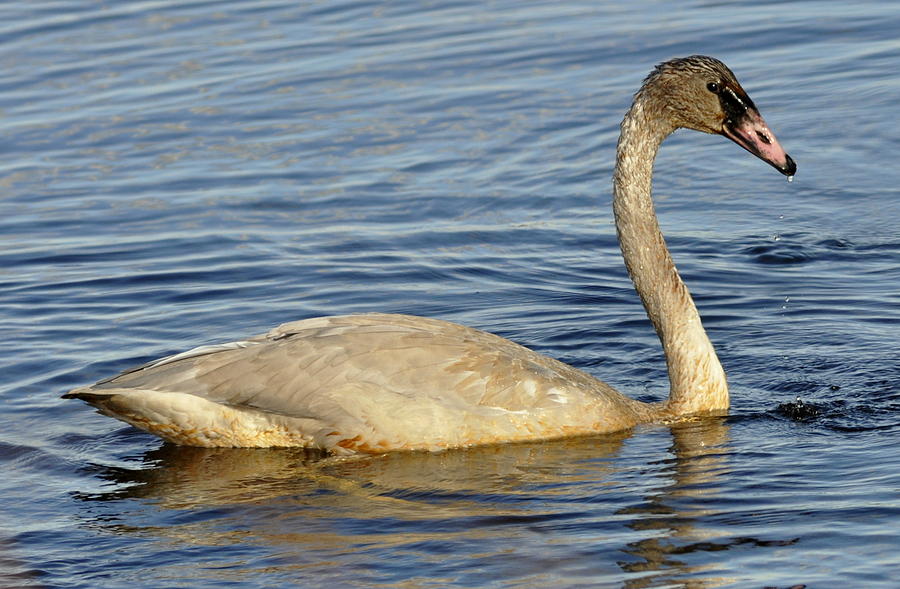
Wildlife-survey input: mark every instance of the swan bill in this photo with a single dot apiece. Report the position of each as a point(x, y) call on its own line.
point(748, 129)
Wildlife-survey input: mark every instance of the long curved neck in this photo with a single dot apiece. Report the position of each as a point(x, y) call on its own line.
point(696, 377)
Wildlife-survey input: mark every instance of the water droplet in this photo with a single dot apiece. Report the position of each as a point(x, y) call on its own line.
point(790, 178)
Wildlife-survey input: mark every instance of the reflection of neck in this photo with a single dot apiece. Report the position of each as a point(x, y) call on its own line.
point(673, 516)
point(696, 377)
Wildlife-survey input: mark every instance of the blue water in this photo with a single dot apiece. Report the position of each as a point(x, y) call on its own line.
point(175, 174)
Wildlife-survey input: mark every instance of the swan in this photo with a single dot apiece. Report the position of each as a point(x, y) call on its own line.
point(373, 383)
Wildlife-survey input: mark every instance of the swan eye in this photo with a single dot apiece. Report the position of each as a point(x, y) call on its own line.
point(713, 87)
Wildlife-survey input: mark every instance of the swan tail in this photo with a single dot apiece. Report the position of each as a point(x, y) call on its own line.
point(189, 420)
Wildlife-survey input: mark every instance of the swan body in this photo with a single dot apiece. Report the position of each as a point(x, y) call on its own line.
point(365, 383)
point(374, 383)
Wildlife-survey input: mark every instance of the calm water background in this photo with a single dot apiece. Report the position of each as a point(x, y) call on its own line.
point(175, 174)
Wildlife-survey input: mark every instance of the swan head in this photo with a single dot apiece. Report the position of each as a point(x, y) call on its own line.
point(701, 93)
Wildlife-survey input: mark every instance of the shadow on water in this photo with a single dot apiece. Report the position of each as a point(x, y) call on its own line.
point(623, 516)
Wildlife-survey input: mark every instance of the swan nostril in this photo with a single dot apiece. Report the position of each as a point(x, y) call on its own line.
point(764, 138)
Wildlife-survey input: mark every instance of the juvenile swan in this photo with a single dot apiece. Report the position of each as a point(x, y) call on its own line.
point(373, 383)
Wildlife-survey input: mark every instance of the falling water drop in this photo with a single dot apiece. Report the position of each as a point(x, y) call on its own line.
point(790, 178)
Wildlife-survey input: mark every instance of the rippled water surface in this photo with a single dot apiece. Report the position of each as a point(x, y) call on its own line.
point(175, 174)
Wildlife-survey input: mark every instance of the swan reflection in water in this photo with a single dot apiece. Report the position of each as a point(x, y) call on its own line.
point(613, 512)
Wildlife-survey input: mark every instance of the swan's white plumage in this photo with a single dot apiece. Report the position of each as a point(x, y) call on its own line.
point(363, 383)
point(372, 383)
